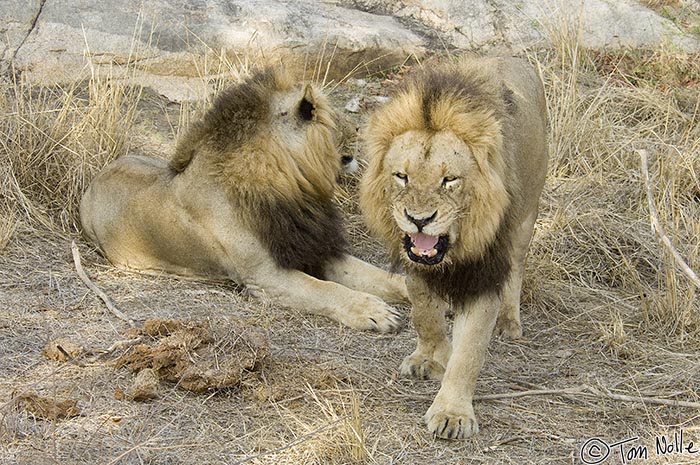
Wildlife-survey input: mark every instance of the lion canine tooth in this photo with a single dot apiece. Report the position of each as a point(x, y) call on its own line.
point(432, 253)
point(415, 250)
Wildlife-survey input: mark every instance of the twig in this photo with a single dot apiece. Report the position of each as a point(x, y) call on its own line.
point(590, 391)
point(533, 392)
point(656, 224)
point(640, 399)
point(111, 306)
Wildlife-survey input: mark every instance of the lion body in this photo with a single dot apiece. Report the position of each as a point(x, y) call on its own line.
point(457, 164)
point(248, 196)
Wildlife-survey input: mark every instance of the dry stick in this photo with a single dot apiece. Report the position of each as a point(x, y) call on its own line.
point(105, 298)
point(582, 390)
point(640, 399)
point(589, 391)
point(656, 224)
point(534, 392)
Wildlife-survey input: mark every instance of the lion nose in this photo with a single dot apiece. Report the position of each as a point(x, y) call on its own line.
point(420, 221)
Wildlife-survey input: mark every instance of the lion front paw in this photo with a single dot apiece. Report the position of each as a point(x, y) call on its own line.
point(374, 314)
point(421, 367)
point(449, 424)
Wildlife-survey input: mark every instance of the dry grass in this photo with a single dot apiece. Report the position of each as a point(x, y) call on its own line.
point(598, 123)
point(53, 141)
point(604, 303)
point(684, 13)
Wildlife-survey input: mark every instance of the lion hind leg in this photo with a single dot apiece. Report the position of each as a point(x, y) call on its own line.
point(508, 324)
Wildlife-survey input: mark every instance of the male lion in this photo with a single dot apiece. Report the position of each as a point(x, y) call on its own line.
point(248, 196)
point(457, 163)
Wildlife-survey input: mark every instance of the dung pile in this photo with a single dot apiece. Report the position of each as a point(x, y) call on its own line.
point(191, 356)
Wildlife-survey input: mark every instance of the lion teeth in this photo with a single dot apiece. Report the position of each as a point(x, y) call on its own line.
point(424, 253)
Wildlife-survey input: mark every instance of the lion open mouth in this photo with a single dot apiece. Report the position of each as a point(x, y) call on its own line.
point(425, 249)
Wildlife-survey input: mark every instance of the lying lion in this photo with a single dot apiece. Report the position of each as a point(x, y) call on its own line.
point(457, 164)
point(248, 196)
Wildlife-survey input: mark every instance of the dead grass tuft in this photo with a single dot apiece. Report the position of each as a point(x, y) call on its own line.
point(54, 140)
point(335, 437)
point(599, 117)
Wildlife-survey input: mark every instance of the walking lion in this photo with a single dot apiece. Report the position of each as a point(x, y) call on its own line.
point(457, 164)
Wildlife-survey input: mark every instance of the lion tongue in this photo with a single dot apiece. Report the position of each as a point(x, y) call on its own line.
point(424, 243)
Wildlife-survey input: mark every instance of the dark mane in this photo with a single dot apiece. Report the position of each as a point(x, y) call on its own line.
point(304, 235)
point(475, 89)
point(237, 114)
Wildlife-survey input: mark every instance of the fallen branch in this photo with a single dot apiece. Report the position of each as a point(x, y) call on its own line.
point(589, 391)
point(111, 306)
point(640, 399)
point(533, 392)
point(656, 224)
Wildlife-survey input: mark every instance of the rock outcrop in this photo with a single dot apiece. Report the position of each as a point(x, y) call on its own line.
point(171, 44)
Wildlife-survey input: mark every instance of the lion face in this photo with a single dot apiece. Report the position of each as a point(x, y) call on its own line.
point(434, 190)
point(429, 185)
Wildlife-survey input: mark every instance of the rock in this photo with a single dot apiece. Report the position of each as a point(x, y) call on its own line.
point(515, 25)
point(355, 82)
point(172, 45)
point(602, 23)
point(354, 104)
point(381, 99)
point(146, 386)
point(16, 22)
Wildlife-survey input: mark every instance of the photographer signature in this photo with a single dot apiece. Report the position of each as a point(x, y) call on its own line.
point(596, 451)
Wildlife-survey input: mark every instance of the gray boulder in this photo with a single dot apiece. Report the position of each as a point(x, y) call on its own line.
point(171, 44)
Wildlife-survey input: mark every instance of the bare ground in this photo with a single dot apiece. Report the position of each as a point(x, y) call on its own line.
point(601, 357)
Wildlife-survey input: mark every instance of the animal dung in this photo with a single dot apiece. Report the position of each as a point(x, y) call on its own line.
point(192, 356)
point(46, 408)
point(146, 386)
point(62, 350)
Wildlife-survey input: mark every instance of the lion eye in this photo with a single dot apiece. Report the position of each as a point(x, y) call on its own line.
point(449, 181)
point(401, 178)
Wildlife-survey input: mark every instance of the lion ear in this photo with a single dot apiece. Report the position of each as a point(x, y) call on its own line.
point(307, 105)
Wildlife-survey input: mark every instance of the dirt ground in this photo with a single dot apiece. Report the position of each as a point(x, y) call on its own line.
point(591, 373)
point(325, 394)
